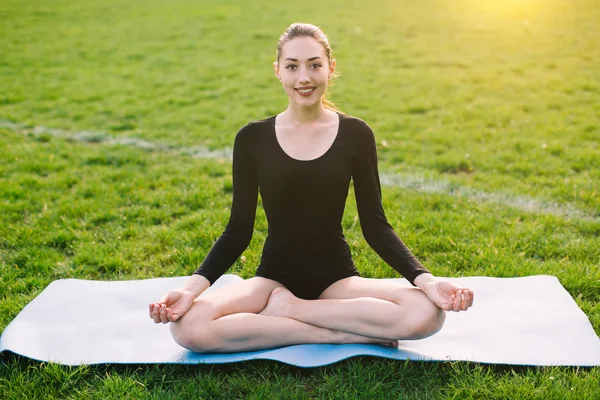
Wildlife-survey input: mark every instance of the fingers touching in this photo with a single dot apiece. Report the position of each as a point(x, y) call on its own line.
point(159, 313)
point(462, 300)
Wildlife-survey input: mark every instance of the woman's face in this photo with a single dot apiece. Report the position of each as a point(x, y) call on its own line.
point(302, 65)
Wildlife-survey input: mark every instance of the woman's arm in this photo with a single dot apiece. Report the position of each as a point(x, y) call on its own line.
point(383, 239)
point(196, 285)
point(378, 233)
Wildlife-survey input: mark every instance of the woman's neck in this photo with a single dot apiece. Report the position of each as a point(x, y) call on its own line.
point(304, 115)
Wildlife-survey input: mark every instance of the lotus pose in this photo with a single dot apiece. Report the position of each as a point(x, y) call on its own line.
point(307, 288)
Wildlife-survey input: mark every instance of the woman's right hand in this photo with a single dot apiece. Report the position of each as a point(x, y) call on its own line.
point(172, 306)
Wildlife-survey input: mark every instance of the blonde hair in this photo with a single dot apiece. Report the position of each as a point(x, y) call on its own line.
point(300, 29)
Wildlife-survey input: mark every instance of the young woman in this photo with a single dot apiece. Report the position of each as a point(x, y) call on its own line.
point(307, 288)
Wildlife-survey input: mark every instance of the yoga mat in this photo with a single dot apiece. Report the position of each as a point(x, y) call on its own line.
point(521, 321)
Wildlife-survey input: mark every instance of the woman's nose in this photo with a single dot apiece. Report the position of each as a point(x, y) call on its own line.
point(304, 75)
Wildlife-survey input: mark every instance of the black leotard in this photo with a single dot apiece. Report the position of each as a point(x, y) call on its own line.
point(304, 204)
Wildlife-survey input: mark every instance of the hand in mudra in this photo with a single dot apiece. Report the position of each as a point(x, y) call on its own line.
point(172, 306)
point(448, 296)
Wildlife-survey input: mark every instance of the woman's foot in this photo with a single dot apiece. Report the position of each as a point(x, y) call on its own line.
point(280, 304)
point(354, 338)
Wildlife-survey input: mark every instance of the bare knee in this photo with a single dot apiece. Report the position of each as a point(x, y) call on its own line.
point(194, 338)
point(421, 319)
point(432, 322)
point(194, 332)
point(428, 319)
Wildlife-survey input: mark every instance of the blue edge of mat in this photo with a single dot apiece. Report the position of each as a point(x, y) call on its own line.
point(301, 356)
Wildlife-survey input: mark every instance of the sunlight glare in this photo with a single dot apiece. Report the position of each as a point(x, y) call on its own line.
point(510, 8)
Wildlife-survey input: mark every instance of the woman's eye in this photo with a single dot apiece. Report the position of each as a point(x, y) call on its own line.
point(290, 66)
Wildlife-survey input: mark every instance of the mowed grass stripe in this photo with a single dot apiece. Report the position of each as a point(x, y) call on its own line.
point(412, 181)
point(44, 133)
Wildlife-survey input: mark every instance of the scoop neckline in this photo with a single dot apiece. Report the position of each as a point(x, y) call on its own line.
point(274, 132)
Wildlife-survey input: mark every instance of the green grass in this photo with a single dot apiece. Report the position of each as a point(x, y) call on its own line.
point(356, 378)
point(498, 97)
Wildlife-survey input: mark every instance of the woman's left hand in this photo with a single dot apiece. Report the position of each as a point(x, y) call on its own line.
point(448, 296)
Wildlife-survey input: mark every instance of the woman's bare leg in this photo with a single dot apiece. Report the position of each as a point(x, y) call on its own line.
point(368, 307)
point(228, 320)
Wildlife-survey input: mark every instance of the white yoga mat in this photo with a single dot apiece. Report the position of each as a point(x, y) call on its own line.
point(520, 321)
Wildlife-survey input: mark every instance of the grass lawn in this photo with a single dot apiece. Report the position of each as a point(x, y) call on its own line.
point(486, 113)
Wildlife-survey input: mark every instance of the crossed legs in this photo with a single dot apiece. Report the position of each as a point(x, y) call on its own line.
point(369, 307)
point(260, 313)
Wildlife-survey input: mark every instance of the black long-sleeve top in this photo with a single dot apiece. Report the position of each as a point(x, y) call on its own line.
point(304, 203)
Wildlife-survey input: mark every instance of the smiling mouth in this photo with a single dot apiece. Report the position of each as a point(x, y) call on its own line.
point(305, 91)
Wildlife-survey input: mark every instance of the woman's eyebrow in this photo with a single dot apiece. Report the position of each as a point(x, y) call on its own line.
point(294, 59)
